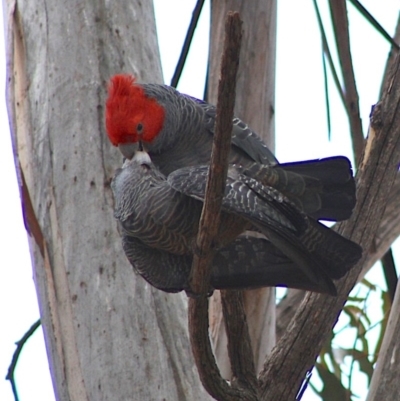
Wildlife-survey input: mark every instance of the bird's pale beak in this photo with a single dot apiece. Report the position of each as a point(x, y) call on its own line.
point(128, 149)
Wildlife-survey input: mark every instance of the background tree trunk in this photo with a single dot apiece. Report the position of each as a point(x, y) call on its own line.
point(254, 104)
point(108, 334)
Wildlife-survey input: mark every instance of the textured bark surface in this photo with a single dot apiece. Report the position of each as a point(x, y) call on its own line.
point(286, 309)
point(385, 384)
point(254, 104)
point(108, 334)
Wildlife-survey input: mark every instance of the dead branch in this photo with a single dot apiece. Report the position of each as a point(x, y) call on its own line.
point(209, 224)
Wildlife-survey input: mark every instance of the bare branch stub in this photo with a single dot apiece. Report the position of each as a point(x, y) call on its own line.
point(209, 221)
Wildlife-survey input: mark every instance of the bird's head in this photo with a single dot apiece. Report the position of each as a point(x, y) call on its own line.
point(131, 116)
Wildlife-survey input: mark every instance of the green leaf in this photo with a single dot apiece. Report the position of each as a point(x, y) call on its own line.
point(369, 17)
point(333, 389)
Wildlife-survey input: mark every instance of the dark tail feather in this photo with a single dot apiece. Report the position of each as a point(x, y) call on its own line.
point(337, 253)
point(329, 187)
point(254, 262)
point(323, 189)
point(316, 249)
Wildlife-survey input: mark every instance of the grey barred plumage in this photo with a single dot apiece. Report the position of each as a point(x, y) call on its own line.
point(159, 222)
point(281, 200)
point(192, 146)
point(188, 130)
point(184, 138)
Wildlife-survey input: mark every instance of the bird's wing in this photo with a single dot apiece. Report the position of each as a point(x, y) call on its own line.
point(317, 250)
point(243, 264)
point(246, 142)
point(250, 262)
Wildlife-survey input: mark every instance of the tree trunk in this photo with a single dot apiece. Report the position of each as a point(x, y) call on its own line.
point(254, 104)
point(109, 336)
point(385, 384)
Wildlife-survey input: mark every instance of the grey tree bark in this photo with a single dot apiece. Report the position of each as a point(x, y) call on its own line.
point(108, 335)
point(255, 91)
point(385, 384)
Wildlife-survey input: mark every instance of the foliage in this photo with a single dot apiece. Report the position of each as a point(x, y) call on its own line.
point(351, 352)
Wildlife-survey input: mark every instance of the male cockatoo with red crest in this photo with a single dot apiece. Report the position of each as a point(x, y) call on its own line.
point(176, 131)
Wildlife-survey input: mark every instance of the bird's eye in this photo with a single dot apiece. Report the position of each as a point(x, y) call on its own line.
point(139, 128)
